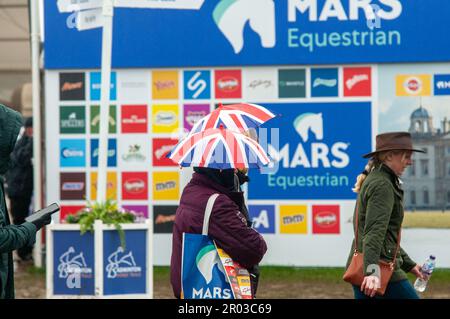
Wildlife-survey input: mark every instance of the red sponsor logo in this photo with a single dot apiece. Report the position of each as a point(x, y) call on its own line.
point(228, 84)
point(134, 119)
point(161, 147)
point(358, 81)
point(134, 185)
point(413, 85)
point(68, 210)
point(326, 219)
point(231, 271)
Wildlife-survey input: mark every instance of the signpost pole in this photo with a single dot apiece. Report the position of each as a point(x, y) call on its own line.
point(37, 138)
point(108, 13)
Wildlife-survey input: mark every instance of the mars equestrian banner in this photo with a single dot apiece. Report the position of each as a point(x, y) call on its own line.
point(318, 155)
point(256, 32)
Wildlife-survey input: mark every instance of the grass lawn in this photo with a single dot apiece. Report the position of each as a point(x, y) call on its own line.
point(424, 219)
point(275, 283)
point(305, 283)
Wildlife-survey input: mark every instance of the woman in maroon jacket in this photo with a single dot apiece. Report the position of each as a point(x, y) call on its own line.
point(229, 225)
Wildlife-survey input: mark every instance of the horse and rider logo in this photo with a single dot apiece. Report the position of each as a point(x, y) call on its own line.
point(206, 259)
point(309, 122)
point(71, 263)
point(231, 17)
point(121, 264)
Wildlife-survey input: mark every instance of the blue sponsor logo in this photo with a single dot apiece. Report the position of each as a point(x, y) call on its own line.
point(72, 153)
point(316, 148)
point(263, 218)
point(197, 85)
point(112, 153)
point(324, 82)
point(96, 83)
point(442, 84)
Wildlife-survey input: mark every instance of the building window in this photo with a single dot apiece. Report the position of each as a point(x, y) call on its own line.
point(412, 169)
point(424, 166)
point(417, 126)
point(413, 197)
point(448, 150)
point(426, 197)
point(448, 197)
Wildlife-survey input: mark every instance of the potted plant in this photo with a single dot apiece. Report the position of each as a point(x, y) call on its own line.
point(87, 257)
point(108, 212)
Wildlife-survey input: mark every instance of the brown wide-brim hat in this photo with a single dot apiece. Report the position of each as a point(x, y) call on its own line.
point(393, 141)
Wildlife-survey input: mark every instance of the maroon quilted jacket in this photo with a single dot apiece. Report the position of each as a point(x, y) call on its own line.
point(227, 226)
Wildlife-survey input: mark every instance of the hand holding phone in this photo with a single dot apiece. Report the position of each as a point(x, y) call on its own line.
point(43, 217)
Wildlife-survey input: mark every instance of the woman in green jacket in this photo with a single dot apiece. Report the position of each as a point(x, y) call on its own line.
point(380, 216)
point(12, 237)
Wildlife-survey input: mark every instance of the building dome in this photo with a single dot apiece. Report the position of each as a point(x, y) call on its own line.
point(420, 113)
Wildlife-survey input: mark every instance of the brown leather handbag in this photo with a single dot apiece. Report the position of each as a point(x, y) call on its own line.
point(355, 272)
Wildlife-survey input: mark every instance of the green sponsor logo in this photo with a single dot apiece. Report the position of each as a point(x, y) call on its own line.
point(72, 120)
point(134, 154)
point(95, 119)
point(292, 83)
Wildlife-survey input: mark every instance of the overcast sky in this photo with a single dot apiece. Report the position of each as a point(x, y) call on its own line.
point(395, 112)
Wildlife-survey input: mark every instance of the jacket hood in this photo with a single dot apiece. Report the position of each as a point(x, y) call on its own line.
point(10, 124)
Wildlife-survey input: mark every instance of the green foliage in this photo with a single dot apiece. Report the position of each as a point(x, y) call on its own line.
point(108, 212)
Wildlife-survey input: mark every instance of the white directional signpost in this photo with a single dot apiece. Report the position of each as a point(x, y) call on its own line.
point(160, 4)
point(78, 5)
point(92, 14)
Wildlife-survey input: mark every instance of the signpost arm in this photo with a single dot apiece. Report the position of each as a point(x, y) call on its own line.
point(108, 13)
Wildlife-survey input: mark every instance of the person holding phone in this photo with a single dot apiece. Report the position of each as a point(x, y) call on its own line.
point(12, 237)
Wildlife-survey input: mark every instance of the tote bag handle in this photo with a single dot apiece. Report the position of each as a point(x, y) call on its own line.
point(208, 211)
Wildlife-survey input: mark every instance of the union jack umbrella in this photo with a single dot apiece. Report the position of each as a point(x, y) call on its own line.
point(237, 117)
point(219, 148)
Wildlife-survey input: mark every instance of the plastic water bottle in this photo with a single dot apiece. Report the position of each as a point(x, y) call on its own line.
point(427, 269)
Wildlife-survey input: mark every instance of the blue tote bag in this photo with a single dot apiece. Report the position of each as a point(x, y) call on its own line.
point(202, 273)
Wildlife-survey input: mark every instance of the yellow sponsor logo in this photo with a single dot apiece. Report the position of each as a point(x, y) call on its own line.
point(294, 219)
point(165, 85)
point(166, 186)
point(165, 118)
point(111, 185)
point(413, 85)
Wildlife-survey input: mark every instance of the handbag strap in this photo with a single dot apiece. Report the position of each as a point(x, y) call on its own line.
point(208, 211)
point(356, 236)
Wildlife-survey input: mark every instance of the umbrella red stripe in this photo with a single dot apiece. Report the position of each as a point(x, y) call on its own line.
point(206, 152)
point(252, 110)
point(189, 143)
point(235, 149)
point(213, 117)
point(260, 149)
point(236, 121)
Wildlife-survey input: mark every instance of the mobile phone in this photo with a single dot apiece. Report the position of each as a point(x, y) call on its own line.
point(53, 208)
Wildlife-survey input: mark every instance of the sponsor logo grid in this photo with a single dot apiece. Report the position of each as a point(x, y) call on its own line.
point(139, 171)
